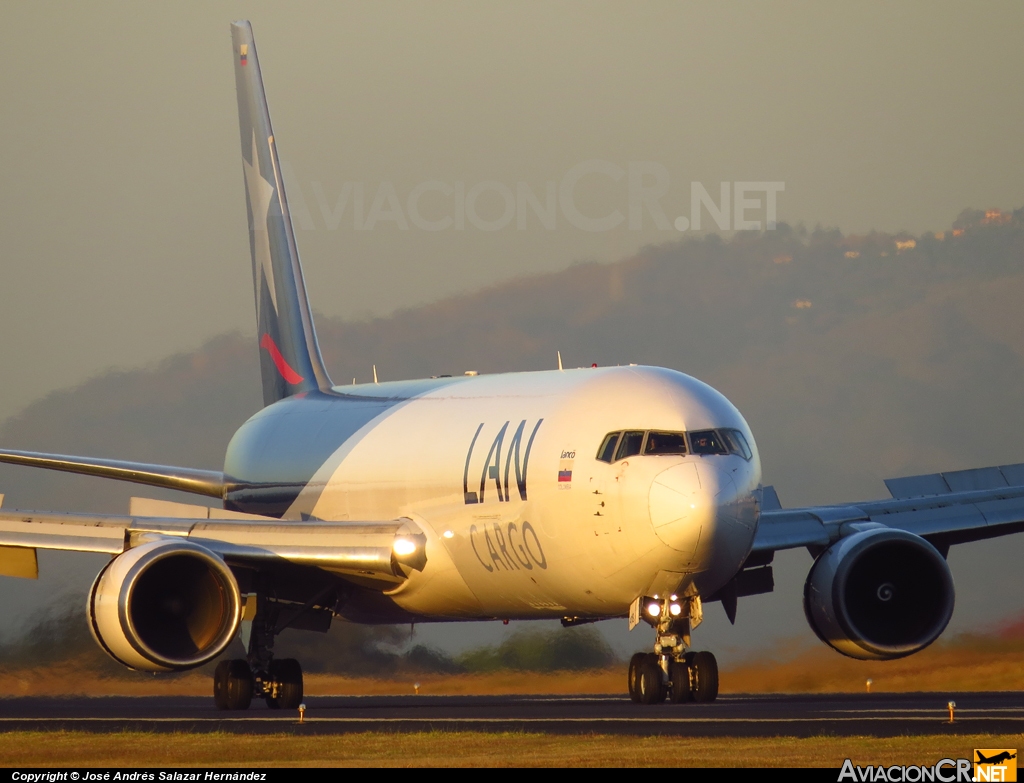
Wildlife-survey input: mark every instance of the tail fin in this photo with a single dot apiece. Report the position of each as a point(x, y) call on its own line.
point(290, 359)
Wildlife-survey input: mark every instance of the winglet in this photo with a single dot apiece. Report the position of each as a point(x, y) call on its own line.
point(290, 360)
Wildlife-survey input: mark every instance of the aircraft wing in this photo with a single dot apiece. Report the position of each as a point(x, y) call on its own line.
point(200, 482)
point(944, 508)
point(374, 551)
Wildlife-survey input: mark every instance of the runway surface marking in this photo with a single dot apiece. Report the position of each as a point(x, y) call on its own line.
point(937, 718)
point(805, 715)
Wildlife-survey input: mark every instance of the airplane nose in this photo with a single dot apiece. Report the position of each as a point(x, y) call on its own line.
point(684, 503)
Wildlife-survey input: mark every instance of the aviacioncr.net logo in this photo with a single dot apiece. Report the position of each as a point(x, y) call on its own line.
point(943, 771)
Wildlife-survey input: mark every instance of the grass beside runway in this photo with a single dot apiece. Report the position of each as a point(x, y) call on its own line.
point(962, 664)
point(473, 749)
point(959, 665)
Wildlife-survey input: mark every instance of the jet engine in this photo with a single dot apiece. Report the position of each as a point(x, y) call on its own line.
point(163, 606)
point(879, 594)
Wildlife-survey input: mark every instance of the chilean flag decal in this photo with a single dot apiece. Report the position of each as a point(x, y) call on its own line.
point(279, 362)
point(565, 469)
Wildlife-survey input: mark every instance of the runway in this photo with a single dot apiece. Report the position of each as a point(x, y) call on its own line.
point(804, 715)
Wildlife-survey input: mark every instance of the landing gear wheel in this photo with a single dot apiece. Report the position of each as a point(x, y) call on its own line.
point(650, 683)
point(220, 685)
point(232, 685)
point(681, 689)
point(704, 676)
point(286, 675)
point(634, 675)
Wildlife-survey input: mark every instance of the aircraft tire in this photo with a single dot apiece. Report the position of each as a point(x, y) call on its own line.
point(650, 682)
point(288, 674)
point(634, 673)
point(704, 676)
point(681, 689)
point(220, 685)
point(232, 685)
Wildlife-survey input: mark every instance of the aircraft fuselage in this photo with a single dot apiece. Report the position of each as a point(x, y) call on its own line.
point(500, 472)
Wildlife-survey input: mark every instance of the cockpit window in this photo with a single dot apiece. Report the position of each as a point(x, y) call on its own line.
point(736, 443)
point(630, 444)
point(607, 450)
point(707, 442)
point(619, 445)
point(665, 443)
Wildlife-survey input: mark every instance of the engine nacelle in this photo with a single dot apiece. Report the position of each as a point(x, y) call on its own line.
point(879, 594)
point(164, 606)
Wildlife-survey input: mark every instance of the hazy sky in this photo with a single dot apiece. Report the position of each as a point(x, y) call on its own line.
point(123, 213)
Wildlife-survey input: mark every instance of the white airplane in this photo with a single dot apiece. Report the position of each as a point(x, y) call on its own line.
point(581, 494)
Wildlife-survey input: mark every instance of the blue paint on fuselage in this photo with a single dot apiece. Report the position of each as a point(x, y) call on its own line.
point(273, 456)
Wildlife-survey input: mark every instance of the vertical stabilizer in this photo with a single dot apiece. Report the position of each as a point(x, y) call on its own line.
point(290, 360)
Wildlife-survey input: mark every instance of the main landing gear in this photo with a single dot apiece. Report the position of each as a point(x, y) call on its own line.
point(235, 683)
point(277, 681)
point(670, 671)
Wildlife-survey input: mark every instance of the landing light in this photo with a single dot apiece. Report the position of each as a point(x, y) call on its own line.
point(403, 547)
point(653, 609)
point(675, 610)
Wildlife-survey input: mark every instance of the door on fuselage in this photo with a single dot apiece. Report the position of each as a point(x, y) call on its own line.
point(610, 499)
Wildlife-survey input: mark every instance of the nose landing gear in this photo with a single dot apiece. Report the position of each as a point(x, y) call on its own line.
point(694, 678)
point(671, 672)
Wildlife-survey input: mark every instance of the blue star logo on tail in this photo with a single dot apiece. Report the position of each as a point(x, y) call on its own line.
point(260, 194)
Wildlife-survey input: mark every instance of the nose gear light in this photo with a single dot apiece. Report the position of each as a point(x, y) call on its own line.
point(656, 609)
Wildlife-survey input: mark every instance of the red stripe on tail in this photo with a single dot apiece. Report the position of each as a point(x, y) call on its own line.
point(279, 362)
